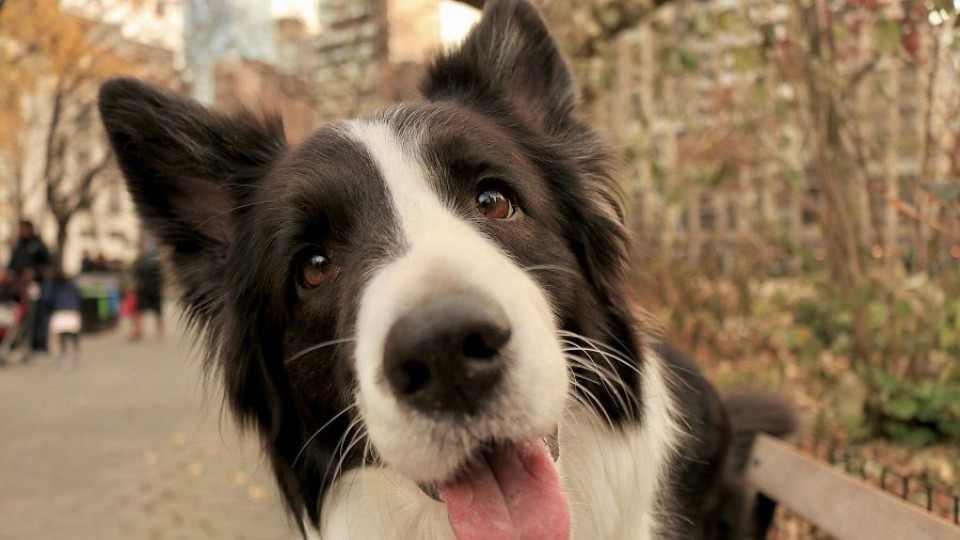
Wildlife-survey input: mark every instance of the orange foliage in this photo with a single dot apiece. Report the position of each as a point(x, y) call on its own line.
point(39, 41)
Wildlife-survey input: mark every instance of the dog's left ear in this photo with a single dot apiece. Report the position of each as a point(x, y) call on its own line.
point(509, 59)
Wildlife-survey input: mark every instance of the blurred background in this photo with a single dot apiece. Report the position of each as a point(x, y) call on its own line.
point(791, 171)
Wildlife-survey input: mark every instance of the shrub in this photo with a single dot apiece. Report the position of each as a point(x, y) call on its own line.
point(900, 338)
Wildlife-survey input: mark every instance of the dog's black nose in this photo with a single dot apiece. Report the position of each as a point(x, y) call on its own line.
point(446, 355)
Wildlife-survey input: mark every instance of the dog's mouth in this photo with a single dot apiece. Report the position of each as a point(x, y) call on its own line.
point(507, 491)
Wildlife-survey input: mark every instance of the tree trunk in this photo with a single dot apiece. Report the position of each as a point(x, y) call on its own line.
point(891, 236)
point(831, 161)
point(63, 225)
point(17, 194)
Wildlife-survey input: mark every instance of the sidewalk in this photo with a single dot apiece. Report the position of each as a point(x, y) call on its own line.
point(128, 445)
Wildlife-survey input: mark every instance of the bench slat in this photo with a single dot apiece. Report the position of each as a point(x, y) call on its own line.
point(845, 507)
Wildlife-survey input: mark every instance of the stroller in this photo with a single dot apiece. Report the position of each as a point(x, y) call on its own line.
point(15, 311)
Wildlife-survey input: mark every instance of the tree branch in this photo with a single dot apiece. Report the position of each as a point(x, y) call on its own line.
point(861, 74)
point(85, 189)
point(619, 17)
point(911, 212)
point(626, 14)
point(55, 115)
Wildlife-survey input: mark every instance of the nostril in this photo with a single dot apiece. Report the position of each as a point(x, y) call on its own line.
point(484, 342)
point(475, 346)
point(416, 375)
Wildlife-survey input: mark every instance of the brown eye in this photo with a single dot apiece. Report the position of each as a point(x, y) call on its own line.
point(495, 204)
point(316, 269)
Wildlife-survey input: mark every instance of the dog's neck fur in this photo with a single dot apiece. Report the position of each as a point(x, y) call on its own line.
point(612, 477)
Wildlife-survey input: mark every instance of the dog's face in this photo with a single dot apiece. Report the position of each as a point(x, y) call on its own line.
point(451, 330)
point(418, 289)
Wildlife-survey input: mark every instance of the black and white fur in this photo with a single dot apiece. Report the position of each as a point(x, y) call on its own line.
point(390, 201)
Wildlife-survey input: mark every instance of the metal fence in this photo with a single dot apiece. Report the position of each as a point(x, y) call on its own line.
point(922, 490)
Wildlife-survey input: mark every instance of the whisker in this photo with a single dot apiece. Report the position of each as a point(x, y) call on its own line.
point(317, 432)
point(596, 347)
point(586, 393)
point(577, 384)
point(230, 211)
point(369, 458)
point(318, 346)
point(618, 353)
point(552, 267)
point(343, 439)
point(358, 436)
point(609, 376)
point(590, 341)
point(610, 381)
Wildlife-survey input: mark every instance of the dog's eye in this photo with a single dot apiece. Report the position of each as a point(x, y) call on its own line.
point(495, 203)
point(315, 269)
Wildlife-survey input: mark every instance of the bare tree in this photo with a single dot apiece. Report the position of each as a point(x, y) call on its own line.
point(75, 163)
point(57, 62)
point(588, 31)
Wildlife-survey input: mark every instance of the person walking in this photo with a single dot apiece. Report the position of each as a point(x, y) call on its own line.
point(29, 253)
point(87, 263)
point(28, 263)
point(148, 288)
point(61, 298)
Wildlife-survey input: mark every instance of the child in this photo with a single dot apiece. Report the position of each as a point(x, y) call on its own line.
point(62, 297)
point(148, 279)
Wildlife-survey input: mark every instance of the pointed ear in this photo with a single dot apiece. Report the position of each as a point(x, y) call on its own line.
point(187, 169)
point(510, 59)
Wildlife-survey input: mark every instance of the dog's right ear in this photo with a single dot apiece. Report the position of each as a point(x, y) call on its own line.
point(188, 169)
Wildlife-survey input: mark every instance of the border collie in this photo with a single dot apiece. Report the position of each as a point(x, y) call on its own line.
point(424, 313)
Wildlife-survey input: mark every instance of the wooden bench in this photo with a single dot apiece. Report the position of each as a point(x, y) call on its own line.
point(845, 507)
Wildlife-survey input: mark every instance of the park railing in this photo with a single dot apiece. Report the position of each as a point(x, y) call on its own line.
point(852, 498)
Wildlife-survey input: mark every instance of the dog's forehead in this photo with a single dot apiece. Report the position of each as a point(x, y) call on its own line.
point(402, 173)
point(397, 153)
point(437, 134)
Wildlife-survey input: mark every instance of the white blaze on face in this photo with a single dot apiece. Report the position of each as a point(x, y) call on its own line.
point(443, 254)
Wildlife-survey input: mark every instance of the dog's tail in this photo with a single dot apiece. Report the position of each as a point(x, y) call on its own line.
point(751, 413)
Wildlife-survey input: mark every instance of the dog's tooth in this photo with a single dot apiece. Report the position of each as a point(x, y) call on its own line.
point(431, 490)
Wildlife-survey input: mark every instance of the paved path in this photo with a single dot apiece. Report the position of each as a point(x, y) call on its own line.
point(128, 445)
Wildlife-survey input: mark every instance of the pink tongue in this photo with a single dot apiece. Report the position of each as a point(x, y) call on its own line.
point(512, 494)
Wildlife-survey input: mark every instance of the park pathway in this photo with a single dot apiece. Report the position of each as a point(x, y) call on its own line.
point(128, 445)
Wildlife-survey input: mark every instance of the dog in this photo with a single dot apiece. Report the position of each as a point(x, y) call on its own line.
point(425, 313)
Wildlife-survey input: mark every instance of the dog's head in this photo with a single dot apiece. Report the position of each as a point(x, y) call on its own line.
point(416, 289)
